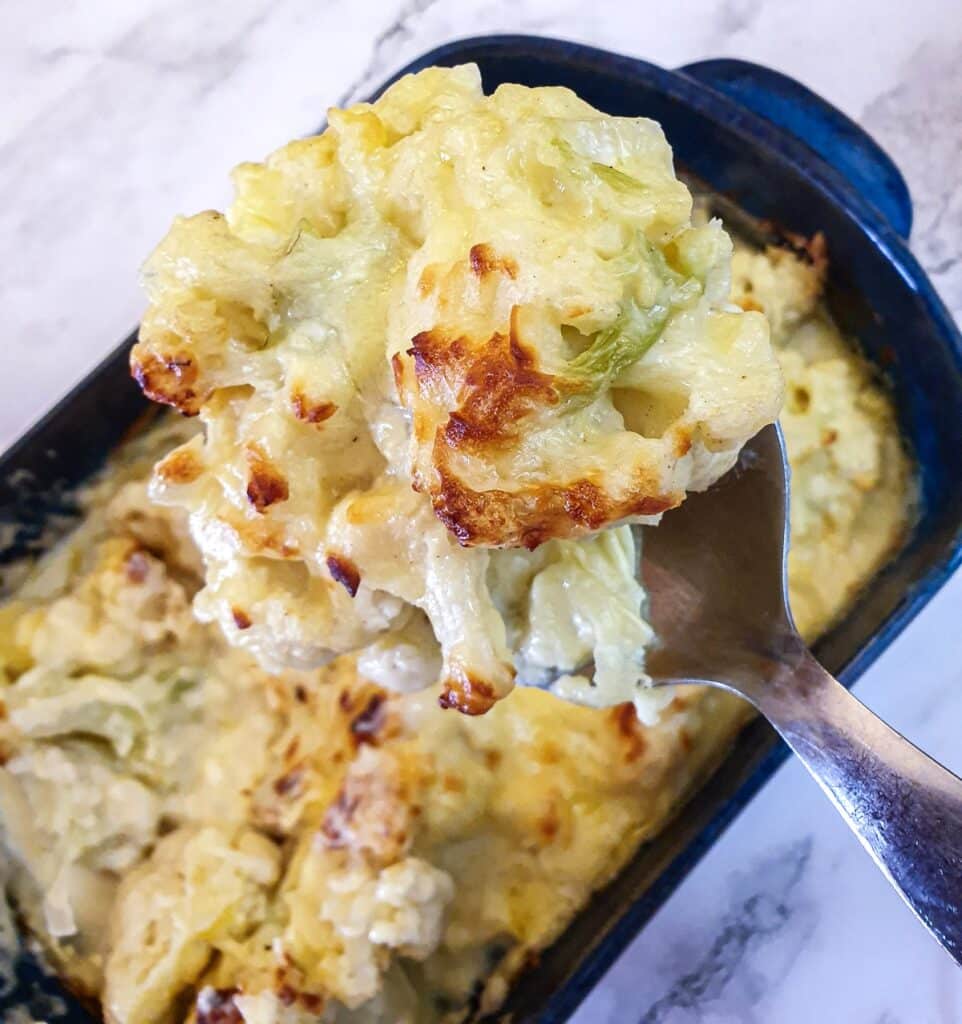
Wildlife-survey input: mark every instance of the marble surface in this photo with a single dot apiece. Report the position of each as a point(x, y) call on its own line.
point(115, 115)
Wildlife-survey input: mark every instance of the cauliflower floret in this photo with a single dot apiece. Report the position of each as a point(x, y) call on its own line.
point(70, 814)
point(350, 915)
point(200, 888)
point(784, 286)
point(499, 300)
point(401, 907)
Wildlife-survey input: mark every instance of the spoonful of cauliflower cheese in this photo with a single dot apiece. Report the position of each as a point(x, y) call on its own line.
point(445, 353)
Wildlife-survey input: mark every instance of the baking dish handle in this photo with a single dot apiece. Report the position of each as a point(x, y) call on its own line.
point(834, 137)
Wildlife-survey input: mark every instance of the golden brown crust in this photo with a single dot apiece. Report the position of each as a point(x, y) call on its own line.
point(372, 812)
point(344, 571)
point(470, 696)
point(548, 826)
point(530, 516)
point(262, 535)
point(167, 377)
point(291, 783)
point(181, 466)
point(498, 385)
point(484, 261)
point(397, 369)
point(266, 485)
point(682, 443)
point(630, 730)
point(311, 412)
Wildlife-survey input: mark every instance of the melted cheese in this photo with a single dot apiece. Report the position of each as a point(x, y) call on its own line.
point(852, 495)
point(449, 324)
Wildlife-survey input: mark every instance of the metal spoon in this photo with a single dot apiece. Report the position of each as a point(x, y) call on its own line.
point(715, 574)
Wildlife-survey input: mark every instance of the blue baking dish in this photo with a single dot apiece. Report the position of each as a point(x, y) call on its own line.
point(779, 154)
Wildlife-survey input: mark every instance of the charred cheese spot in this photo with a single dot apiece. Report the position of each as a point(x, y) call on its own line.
point(469, 696)
point(484, 261)
point(217, 1006)
point(499, 386)
point(549, 824)
point(312, 1002)
point(367, 726)
point(335, 826)
point(498, 381)
point(167, 377)
point(288, 996)
point(372, 811)
point(266, 485)
point(344, 571)
point(290, 784)
point(311, 412)
point(629, 729)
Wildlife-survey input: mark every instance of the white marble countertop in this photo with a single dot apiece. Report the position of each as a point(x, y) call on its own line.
point(116, 115)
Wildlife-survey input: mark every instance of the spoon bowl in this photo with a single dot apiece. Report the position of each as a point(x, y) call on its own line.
point(714, 571)
point(715, 575)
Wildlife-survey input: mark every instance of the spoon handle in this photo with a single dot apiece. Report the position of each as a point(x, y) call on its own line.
point(905, 808)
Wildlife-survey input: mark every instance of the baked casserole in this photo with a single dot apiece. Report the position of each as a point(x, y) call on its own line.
point(206, 826)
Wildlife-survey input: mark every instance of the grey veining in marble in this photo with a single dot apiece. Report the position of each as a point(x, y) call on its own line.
point(768, 906)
